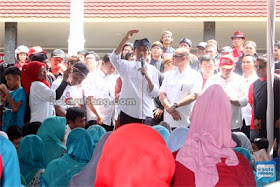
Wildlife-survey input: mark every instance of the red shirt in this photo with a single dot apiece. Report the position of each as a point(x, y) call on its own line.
point(236, 54)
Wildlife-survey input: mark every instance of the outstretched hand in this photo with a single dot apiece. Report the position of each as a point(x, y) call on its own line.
point(130, 33)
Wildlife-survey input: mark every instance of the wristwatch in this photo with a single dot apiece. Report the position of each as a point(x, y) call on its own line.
point(176, 105)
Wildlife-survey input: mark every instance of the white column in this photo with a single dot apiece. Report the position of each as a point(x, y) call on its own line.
point(76, 38)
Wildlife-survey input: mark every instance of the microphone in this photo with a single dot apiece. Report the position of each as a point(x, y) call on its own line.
point(142, 60)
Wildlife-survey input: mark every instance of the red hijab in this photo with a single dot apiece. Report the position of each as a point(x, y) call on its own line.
point(135, 155)
point(29, 74)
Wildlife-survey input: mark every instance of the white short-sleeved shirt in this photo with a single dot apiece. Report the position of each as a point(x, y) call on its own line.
point(72, 95)
point(176, 86)
point(41, 101)
point(102, 88)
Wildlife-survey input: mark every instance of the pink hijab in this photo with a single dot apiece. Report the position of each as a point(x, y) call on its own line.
point(209, 138)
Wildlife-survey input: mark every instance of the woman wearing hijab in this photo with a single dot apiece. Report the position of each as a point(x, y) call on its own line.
point(10, 174)
point(162, 131)
point(52, 132)
point(34, 82)
point(135, 155)
point(36, 86)
point(32, 159)
point(208, 158)
point(88, 174)
point(95, 132)
point(177, 138)
point(79, 152)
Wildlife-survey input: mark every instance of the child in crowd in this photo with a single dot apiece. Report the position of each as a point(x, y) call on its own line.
point(75, 117)
point(15, 134)
point(14, 100)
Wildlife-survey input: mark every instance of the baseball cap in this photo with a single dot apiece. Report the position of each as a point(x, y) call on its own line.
point(143, 42)
point(226, 61)
point(238, 34)
point(202, 44)
point(58, 53)
point(226, 49)
point(36, 49)
point(157, 43)
point(186, 40)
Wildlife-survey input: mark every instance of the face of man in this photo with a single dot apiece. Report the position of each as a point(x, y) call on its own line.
point(77, 78)
point(249, 49)
point(276, 53)
point(207, 68)
point(179, 58)
point(226, 72)
point(56, 63)
point(248, 64)
point(237, 42)
point(167, 39)
point(141, 51)
point(91, 62)
point(156, 52)
point(108, 68)
point(200, 51)
point(211, 51)
point(261, 69)
point(184, 45)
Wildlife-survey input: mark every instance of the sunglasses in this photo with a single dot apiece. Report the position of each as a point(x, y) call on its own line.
point(259, 67)
point(175, 56)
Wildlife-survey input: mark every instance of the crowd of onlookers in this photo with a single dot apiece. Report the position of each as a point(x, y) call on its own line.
point(204, 114)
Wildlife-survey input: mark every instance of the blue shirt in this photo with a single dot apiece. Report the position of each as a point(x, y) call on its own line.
point(14, 118)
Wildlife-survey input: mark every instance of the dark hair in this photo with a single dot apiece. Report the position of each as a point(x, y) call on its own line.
point(73, 60)
point(82, 67)
point(253, 57)
point(106, 57)
point(128, 55)
point(125, 45)
point(73, 112)
point(262, 59)
point(97, 58)
point(277, 43)
point(206, 58)
point(14, 132)
point(261, 143)
point(83, 52)
point(31, 128)
point(13, 70)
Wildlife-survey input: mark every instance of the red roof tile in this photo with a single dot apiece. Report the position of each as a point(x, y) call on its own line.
point(136, 8)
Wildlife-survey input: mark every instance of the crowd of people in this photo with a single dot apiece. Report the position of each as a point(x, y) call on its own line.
point(146, 114)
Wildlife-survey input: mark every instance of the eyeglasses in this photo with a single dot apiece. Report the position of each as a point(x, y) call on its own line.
point(236, 38)
point(259, 67)
point(175, 56)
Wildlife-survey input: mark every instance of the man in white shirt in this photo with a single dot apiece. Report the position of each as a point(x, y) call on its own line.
point(99, 90)
point(72, 95)
point(140, 84)
point(179, 89)
point(235, 87)
point(250, 77)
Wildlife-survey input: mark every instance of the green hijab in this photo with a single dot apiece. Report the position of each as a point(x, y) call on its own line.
point(79, 152)
point(52, 132)
point(96, 131)
point(31, 153)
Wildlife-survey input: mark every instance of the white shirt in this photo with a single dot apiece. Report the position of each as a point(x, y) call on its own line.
point(72, 95)
point(235, 88)
point(41, 101)
point(246, 111)
point(102, 88)
point(131, 95)
point(67, 132)
point(176, 86)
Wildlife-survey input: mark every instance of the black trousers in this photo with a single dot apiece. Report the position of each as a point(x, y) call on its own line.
point(125, 119)
point(93, 122)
